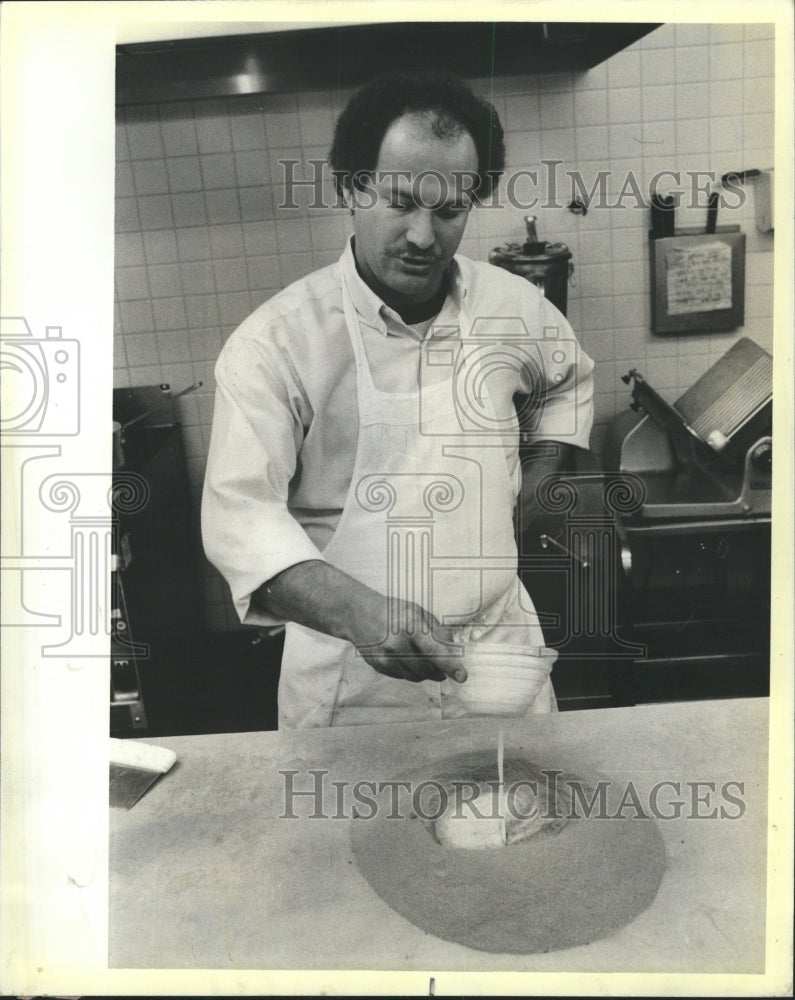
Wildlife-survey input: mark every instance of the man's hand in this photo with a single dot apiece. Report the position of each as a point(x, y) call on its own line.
point(406, 641)
point(397, 638)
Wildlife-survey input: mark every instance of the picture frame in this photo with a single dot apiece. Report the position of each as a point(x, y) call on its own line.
point(697, 281)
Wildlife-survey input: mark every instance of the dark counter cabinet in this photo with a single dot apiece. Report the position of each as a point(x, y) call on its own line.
point(155, 619)
point(647, 610)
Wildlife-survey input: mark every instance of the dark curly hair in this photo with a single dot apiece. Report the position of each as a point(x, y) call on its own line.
point(362, 125)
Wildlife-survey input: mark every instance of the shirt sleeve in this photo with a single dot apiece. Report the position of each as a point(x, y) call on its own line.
point(561, 382)
point(249, 534)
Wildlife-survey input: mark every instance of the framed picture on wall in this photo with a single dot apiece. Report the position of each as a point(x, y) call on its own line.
point(698, 281)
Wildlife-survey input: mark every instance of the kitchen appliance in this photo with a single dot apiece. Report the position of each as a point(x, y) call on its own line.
point(710, 453)
point(156, 406)
point(695, 550)
point(155, 611)
point(547, 265)
point(250, 60)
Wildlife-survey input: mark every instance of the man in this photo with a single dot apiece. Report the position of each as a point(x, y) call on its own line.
point(363, 470)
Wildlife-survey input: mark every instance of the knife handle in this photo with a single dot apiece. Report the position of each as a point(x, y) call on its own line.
point(712, 212)
point(662, 216)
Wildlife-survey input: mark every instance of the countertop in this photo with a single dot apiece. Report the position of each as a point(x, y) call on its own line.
point(205, 874)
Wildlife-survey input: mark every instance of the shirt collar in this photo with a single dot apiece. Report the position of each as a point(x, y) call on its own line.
point(371, 309)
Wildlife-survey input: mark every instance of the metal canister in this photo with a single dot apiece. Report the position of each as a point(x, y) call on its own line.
point(547, 265)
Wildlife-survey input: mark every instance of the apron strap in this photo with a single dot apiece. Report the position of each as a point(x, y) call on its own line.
point(364, 377)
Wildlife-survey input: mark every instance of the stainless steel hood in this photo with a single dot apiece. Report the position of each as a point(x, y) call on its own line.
point(347, 55)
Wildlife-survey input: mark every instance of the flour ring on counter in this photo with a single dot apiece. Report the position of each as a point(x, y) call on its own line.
point(567, 879)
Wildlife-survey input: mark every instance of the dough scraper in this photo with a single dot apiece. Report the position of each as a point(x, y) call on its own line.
point(134, 768)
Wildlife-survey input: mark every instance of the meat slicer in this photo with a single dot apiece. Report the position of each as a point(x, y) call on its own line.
point(709, 455)
point(695, 550)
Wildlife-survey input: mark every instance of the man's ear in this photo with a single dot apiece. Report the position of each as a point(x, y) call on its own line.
point(349, 197)
point(358, 191)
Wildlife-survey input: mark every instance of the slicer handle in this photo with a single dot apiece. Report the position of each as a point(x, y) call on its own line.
point(546, 541)
point(762, 456)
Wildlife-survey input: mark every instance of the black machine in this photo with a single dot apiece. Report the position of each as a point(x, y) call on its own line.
point(154, 581)
point(695, 548)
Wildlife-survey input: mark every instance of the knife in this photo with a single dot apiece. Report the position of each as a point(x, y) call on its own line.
point(712, 212)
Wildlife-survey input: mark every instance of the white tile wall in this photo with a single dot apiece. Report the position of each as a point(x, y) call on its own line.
point(201, 240)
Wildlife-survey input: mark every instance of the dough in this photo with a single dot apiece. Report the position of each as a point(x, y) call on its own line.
point(473, 825)
point(563, 883)
point(473, 815)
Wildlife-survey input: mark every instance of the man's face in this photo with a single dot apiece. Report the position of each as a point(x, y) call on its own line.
point(409, 221)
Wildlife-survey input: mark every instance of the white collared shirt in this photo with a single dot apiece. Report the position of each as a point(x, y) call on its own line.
point(285, 425)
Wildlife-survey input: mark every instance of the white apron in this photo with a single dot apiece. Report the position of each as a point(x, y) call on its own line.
point(420, 494)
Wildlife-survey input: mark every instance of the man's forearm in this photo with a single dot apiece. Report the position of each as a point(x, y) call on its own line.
point(540, 460)
point(319, 596)
point(322, 597)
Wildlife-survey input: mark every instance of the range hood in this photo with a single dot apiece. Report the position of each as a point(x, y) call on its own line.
point(347, 55)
